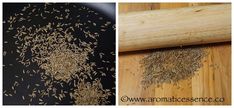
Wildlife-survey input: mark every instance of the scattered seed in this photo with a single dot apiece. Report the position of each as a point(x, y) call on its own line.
point(53, 48)
point(171, 65)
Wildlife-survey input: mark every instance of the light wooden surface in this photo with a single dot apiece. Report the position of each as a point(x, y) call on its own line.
point(212, 80)
point(174, 27)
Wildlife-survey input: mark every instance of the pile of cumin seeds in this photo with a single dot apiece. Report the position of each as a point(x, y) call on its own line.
point(91, 93)
point(54, 51)
point(63, 63)
point(59, 50)
point(171, 65)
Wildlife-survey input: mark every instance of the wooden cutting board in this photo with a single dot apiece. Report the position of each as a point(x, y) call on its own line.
point(213, 78)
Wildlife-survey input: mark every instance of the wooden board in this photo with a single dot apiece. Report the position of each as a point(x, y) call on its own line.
point(213, 79)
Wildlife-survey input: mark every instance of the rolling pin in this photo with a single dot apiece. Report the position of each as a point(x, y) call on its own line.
point(174, 27)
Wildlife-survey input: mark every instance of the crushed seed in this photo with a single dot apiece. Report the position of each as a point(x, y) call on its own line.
point(171, 65)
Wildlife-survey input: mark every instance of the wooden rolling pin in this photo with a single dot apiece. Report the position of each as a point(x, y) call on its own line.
point(174, 27)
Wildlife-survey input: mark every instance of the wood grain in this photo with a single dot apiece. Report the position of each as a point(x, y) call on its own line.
point(134, 7)
point(174, 27)
point(213, 78)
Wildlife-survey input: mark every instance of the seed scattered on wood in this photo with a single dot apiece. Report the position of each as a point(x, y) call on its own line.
point(171, 65)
